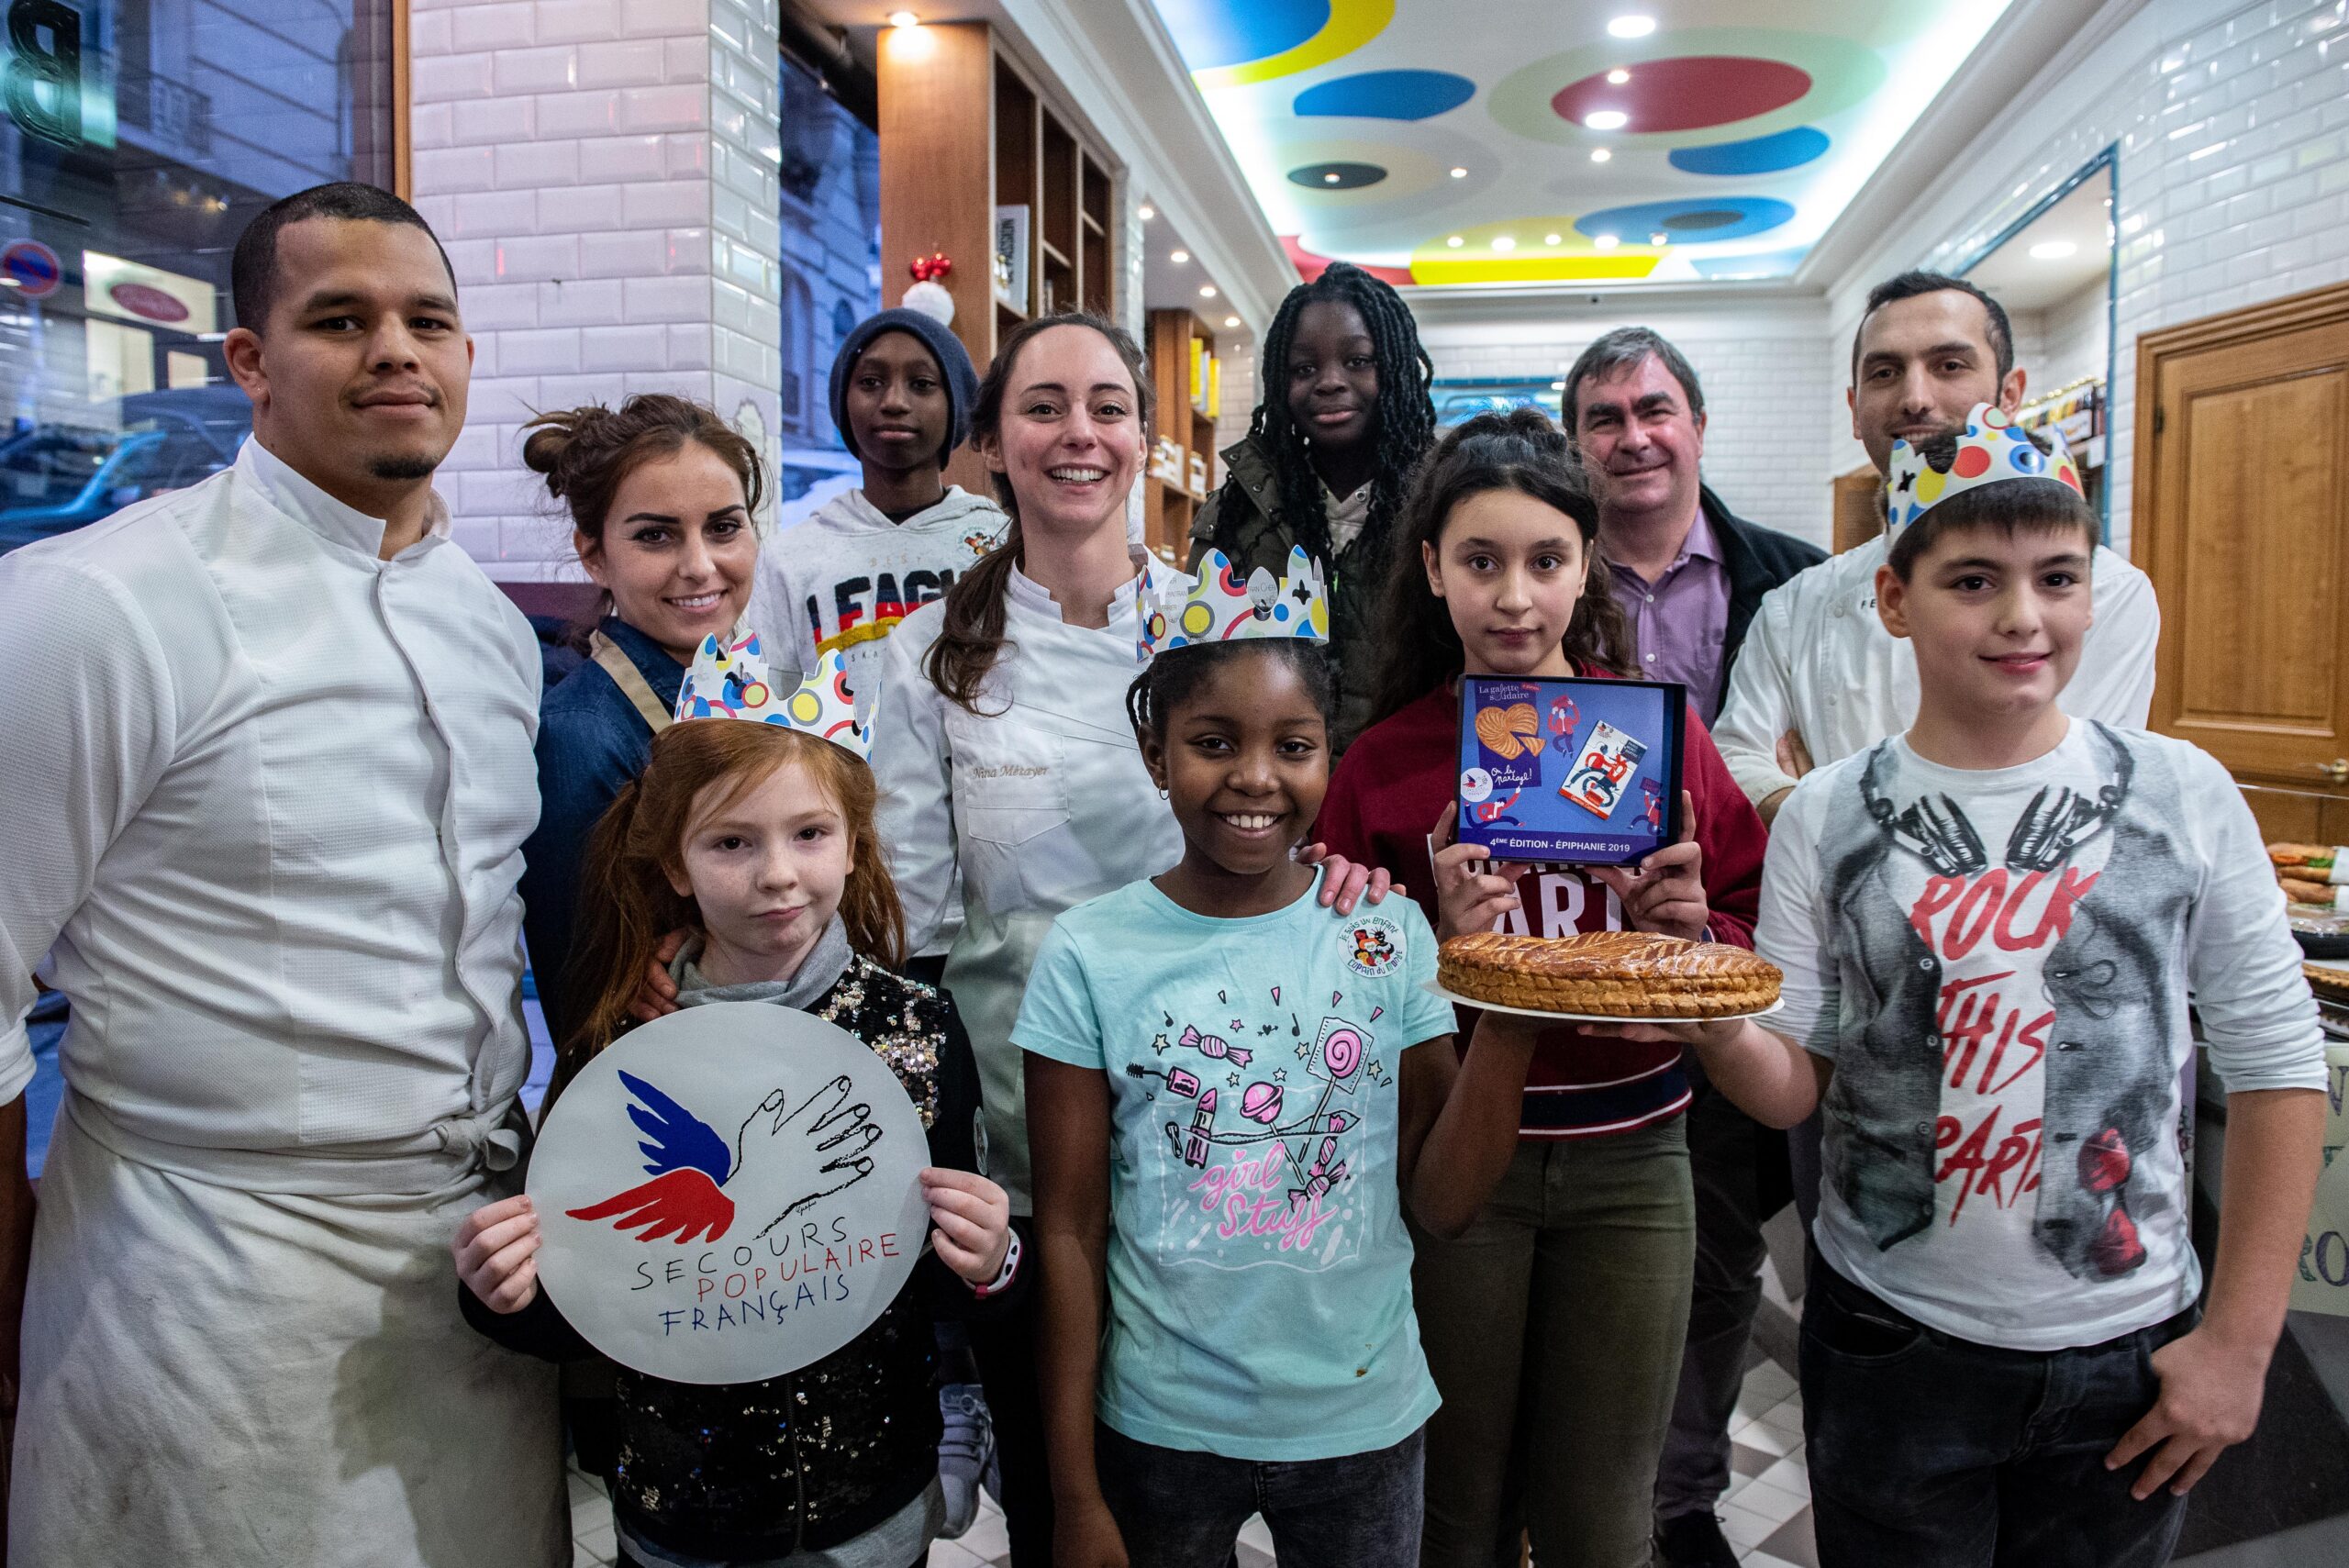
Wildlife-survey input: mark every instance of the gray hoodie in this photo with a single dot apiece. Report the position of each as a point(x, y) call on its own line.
point(844, 578)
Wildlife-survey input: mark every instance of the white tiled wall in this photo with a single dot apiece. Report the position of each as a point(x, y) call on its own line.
point(1763, 369)
point(2231, 122)
point(602, 175)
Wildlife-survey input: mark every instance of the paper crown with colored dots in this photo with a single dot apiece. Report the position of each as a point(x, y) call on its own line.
point(728, 679)
point(1222, 607)
point(1991, 450)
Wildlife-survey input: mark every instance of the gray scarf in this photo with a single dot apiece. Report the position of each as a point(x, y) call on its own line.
point(818, 971)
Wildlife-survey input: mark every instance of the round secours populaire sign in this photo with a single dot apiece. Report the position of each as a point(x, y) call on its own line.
point(730, 1194)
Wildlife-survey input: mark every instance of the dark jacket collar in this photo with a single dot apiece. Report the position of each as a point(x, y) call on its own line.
point(1755, 559)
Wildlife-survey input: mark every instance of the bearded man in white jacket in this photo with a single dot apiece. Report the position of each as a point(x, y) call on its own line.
point(1819, 679)
point(266, 781)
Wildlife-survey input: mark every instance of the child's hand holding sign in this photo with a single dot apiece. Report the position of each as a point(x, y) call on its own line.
point(1471, 891)
point(1667, 894)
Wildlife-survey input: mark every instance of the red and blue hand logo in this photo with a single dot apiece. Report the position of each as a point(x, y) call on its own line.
point(689, 1164)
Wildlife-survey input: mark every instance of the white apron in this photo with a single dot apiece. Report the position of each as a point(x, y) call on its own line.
point(219, 1378)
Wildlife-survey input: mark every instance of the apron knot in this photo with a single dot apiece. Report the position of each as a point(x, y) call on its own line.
point(488, 1140)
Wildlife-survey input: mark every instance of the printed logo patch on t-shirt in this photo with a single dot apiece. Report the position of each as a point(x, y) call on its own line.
point(1374, 945)
point(1262, 1135)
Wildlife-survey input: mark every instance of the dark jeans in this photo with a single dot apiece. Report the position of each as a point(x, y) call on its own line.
point(1726, 1150)
point(1182, 1509)
point(1930, 1451)
point(1005, 1348)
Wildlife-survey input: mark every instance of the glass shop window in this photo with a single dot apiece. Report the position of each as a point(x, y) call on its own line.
point(136, 139)
point(830, 212)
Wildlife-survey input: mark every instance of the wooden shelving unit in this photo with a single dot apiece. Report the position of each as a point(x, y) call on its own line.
point(1169, 508)
point(966, 130)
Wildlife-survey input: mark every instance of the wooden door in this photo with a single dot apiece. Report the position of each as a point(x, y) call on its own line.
point(1859, 508)
point(2241, 517)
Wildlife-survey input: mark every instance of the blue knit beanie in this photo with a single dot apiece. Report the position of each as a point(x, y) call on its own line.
point(953, 361)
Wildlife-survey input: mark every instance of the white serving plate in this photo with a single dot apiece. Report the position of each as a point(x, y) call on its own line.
point(1436, 987)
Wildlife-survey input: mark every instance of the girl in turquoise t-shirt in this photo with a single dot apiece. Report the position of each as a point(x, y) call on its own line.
point(1227, 1108)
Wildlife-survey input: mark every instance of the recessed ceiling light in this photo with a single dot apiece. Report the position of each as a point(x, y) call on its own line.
point(1659, 237)
point(1178, 257)
point(1605, 241)
point(1332, 179)
point(1503, 242)
point(1231, 321)
point(904, 20)
point(1206, 291)
point(1632, 27)
point(1146, 212)
point(1459, 174)
point(1552, 238)
point(1606, 119)
point(1618, 76)
point(1455, 242)
point(2052, 249)
point(1600, 155)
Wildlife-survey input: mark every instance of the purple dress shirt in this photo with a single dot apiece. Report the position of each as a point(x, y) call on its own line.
point(1679, 621)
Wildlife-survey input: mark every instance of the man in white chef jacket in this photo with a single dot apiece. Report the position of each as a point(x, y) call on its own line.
point(1818, 678)
point(265, 785)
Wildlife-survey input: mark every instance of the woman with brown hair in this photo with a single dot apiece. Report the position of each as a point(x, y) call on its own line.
point(662, 495)
point(1002, 748)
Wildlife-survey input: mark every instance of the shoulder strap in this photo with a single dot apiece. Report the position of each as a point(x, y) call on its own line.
point(631, 681)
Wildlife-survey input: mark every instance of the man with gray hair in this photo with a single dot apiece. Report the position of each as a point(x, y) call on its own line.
point(1689, 574)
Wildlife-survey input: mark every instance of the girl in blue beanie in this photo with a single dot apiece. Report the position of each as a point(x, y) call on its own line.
point(902, 389)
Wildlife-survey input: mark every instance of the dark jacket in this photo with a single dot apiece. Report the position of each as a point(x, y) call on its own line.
point(1241, 521)
point(747, 1471)
point(1756, 559)
point(592, 742)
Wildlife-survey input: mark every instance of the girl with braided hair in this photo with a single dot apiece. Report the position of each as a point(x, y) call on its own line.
point(1344, 415)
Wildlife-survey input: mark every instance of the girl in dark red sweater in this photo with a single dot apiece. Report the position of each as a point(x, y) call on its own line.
point(1553, 1327)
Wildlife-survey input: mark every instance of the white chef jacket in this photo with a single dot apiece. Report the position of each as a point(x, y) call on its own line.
point(1818, 661)
point(264, 797)
point(1043, 804)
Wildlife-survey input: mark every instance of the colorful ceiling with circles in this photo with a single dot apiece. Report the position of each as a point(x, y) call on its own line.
point(1566, 141)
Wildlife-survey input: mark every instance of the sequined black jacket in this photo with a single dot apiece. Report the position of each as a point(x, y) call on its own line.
point(807, 1461)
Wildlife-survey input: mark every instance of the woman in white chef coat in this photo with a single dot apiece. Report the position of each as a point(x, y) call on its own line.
point(1002, 748)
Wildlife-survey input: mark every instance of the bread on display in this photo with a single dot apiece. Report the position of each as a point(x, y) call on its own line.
point(1620, 974)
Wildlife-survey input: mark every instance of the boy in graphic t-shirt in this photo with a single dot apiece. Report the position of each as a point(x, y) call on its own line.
point(902, 389)
point(1989, 927)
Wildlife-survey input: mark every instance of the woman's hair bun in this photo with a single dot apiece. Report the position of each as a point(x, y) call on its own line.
point(557, 435)
point(586, 453)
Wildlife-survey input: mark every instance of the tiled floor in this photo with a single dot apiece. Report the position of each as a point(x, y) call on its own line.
point(1766, 1513)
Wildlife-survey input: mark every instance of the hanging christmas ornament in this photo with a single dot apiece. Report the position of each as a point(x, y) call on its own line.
point(928, 294)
